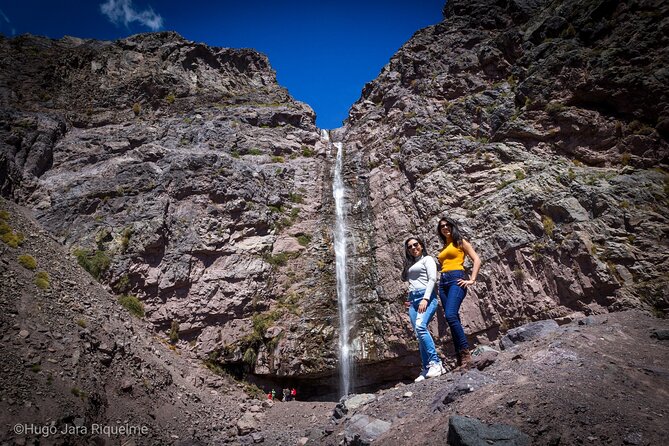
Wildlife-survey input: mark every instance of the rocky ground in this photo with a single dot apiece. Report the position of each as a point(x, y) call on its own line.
point(600, 380)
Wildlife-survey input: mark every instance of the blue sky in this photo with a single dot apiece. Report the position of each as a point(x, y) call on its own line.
point(323, 51)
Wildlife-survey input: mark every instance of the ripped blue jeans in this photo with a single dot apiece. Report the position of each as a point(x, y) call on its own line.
point(420, 322)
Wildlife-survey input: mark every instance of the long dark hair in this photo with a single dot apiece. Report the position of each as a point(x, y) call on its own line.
point(455, 232)
point(409, 260)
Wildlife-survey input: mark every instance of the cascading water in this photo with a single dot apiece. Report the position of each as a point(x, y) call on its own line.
point(338, 191)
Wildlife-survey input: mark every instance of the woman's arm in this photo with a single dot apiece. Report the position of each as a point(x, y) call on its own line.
point(431, 270)
point(469, 250)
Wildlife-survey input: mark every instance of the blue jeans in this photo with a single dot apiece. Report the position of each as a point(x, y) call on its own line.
point(419, 322)
point(452, 295)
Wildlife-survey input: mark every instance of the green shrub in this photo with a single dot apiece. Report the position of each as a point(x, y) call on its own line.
point(125, 238)
point(11, 238)
point(174, 332)
point(4, 215)
point(170, 98)
point(95, 262)
point(255, 151)
point(296, 198)
point(308, 151)
point(278, 159)
point(132, 304)
point(42, 280)
point(625, 158)
point(82, 323)
point(553, 108)
point(27, 261)
point(250, 357)
point(277, 260)
point(304, 239)
point(136, 108)
point(76, 391)
point(549, 225)
point(520, 175)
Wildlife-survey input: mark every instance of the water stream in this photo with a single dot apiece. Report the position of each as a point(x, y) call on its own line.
point(345, 350)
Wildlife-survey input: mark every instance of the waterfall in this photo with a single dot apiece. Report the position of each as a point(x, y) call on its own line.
point(345, 350)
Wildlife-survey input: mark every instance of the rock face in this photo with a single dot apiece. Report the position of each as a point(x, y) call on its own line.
point(187, 176)
point(532, 125)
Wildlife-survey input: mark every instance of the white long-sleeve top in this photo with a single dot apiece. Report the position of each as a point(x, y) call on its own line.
point(423, 274)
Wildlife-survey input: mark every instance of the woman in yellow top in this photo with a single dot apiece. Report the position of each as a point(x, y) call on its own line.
point(453, 284)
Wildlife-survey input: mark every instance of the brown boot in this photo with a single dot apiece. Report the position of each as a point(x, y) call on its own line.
point(465, 357)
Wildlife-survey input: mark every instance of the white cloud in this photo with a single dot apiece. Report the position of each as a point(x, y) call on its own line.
point(123, 11)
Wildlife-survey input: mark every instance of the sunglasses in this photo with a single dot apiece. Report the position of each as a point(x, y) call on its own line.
point(443, 225)
point(413, 245)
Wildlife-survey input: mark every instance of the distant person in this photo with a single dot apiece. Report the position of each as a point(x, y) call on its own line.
point(273, 394)
point(420, 270)
point(286, 394)
point(269, 396)
point(293, 394)
point(453, 283)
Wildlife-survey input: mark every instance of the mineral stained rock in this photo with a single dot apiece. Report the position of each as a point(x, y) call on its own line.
point(185, 175)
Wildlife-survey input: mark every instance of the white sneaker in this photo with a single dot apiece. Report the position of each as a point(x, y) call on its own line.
point(420, 378)
point(436, 369)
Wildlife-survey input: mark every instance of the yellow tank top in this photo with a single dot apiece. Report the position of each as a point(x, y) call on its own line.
point(451, 258)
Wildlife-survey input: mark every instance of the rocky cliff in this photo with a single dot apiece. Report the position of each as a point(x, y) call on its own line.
point(185, 175)
point(541, 127)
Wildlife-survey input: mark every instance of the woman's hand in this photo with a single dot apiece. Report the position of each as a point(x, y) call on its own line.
point(466, 283)
point(422, 306)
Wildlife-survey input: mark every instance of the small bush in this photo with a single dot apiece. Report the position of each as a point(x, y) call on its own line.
point(520, 175)
point(519, 274)
point(174, 332)
point(255, 151)
point(296, 198)
point(250, 357)
point(277, 260)
point(125, 238)
point(625, 158)
point(4, 215)
point(304, 239)
point(11, 238)
point(553, 108)
point(27, 261)
point(278, 159)
point(95, 262)
point(122, 285)
point(42, 280)
point(571, 175)
point(132, 304)
point(76, 391)
point(82, 323)
point(549, 225)
point(308, 151)
point(136, 108)
point(170, 98)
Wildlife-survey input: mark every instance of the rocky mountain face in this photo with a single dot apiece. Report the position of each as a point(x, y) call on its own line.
point(541, 127)
point(79, 369)
point(185, 175)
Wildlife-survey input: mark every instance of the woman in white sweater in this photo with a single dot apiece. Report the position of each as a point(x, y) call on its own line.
point(420, 270)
